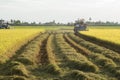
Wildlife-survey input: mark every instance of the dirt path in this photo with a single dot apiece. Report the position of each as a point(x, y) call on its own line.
point(43, 53)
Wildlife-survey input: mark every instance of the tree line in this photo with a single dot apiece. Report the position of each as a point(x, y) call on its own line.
point(53, 23)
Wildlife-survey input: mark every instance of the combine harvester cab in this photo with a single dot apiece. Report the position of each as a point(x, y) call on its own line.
point(80, 25)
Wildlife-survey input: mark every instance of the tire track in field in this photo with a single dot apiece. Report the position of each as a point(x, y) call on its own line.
point(43, 53)
point(78, 48)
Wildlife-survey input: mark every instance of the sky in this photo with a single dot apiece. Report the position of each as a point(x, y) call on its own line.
point(60, 10)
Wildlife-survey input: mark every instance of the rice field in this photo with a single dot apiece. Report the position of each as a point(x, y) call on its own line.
point(37, 54)
point(111, 35)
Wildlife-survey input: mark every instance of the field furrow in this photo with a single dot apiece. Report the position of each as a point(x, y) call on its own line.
point(43, 52)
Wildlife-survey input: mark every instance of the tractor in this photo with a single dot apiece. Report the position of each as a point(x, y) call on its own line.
point(80, 25)
point(4, 25)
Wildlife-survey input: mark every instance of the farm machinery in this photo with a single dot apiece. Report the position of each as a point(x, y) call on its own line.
point(80, 25)
point(4, 25)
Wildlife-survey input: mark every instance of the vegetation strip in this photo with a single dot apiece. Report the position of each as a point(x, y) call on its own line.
point(52, 66)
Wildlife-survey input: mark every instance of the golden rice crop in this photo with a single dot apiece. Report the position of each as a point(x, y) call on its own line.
point(111, 35)
point(9, 39)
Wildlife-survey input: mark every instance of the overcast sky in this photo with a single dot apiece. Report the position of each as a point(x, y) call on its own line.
point(60, 10)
